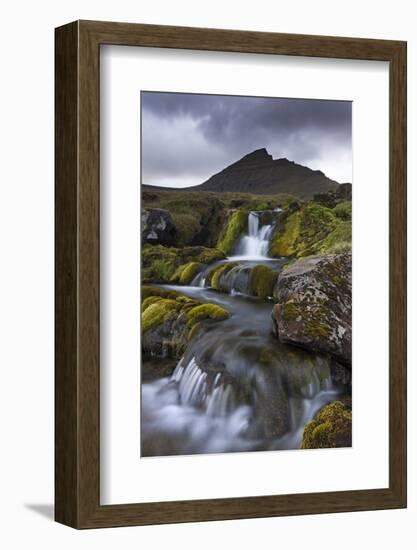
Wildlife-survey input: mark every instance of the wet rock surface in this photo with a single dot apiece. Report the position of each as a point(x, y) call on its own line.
point(314, 305)
point(158, 227)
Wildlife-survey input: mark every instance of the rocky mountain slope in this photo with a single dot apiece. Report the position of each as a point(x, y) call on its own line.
point(259, 173)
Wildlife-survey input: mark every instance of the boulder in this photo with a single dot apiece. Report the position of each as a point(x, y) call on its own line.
point(314, 305)
point(158, 227)
point(170, 320)
point(332, 427)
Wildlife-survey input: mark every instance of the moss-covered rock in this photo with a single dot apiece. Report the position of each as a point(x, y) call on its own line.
point(158, 312)
point(206, 311)
point(151, 291)
point(194, 218)
point(337, 241)
point(186, 273)
point(236, 225)
point(160, 263)
point(170, 319)
point(214, 276)
point(262, 281)
point(332, 427)
point(314, 305)
point(312, 229)
point(285, 236)
point(149, 301)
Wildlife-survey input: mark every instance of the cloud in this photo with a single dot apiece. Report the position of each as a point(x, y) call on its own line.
point(188, 137)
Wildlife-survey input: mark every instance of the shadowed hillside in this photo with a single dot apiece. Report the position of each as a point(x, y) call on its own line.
point(259, 173)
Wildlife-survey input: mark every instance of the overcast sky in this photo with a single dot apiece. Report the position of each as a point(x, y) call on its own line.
point(186, 138)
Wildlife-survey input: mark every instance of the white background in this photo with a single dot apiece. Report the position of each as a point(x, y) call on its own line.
point(26, 217)
point(125, 478)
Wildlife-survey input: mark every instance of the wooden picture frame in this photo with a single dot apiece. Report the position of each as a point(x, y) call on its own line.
point(77, 382)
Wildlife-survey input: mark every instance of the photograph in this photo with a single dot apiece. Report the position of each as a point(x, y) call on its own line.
point(246, 273)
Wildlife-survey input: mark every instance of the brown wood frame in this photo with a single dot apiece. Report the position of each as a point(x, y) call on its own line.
point(77, 274)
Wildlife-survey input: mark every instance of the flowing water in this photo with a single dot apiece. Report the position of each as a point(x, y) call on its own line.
point(255, 244)
point(236, 388)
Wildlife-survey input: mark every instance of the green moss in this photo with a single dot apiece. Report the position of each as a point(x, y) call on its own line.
point(149, 301)
point(194, 330)
point(262, 281)
point(338, 241)
point(160, 263)
point(186, 273)
point(313, 229)
point(343, 211)
point(201, 254)
point(236, 225)
point(290, 311)
point(207, 311)
point(214, 274)
point(157, 313)
point(197, 217)
point(188, 227)
point(221, 270)
point(148, 291)
point(316, 223)
point(332, 427)
point(283, 243)
point(316, 329)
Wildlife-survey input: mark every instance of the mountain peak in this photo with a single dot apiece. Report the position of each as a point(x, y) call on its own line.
point(258, 154)
point(258, 173)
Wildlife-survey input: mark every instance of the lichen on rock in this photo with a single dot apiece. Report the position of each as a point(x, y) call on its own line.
point(314, 305)
point(158, 227)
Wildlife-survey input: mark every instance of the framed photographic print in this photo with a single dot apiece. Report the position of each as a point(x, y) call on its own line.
point(230, 274)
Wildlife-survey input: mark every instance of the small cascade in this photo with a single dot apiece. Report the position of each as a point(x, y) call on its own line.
point(200, 279)
point(255, 244)
point(197, 389)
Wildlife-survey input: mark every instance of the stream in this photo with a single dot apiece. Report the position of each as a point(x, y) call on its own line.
point(237, 388)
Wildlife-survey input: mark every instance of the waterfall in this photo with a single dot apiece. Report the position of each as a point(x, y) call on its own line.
point(214, 397)
point(255, 244)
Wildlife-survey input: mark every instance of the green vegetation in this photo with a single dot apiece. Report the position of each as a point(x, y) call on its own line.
point(178, 316)
point(158, 312)
point(149, 291)
point(160, 263)
point(199, 216)
point(149, 301)
point(215, 274)
point(262, 281)
point(343, 211)
point(332, 427)
point(207, 311)
point(283, 243)
point(313, 229)
point(194, 330)
point(186, 273)
point(236, 225)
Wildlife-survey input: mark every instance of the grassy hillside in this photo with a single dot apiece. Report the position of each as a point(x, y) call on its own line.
point(201, 215)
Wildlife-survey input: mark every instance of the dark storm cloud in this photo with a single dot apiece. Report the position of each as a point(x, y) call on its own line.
point(188, 137)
